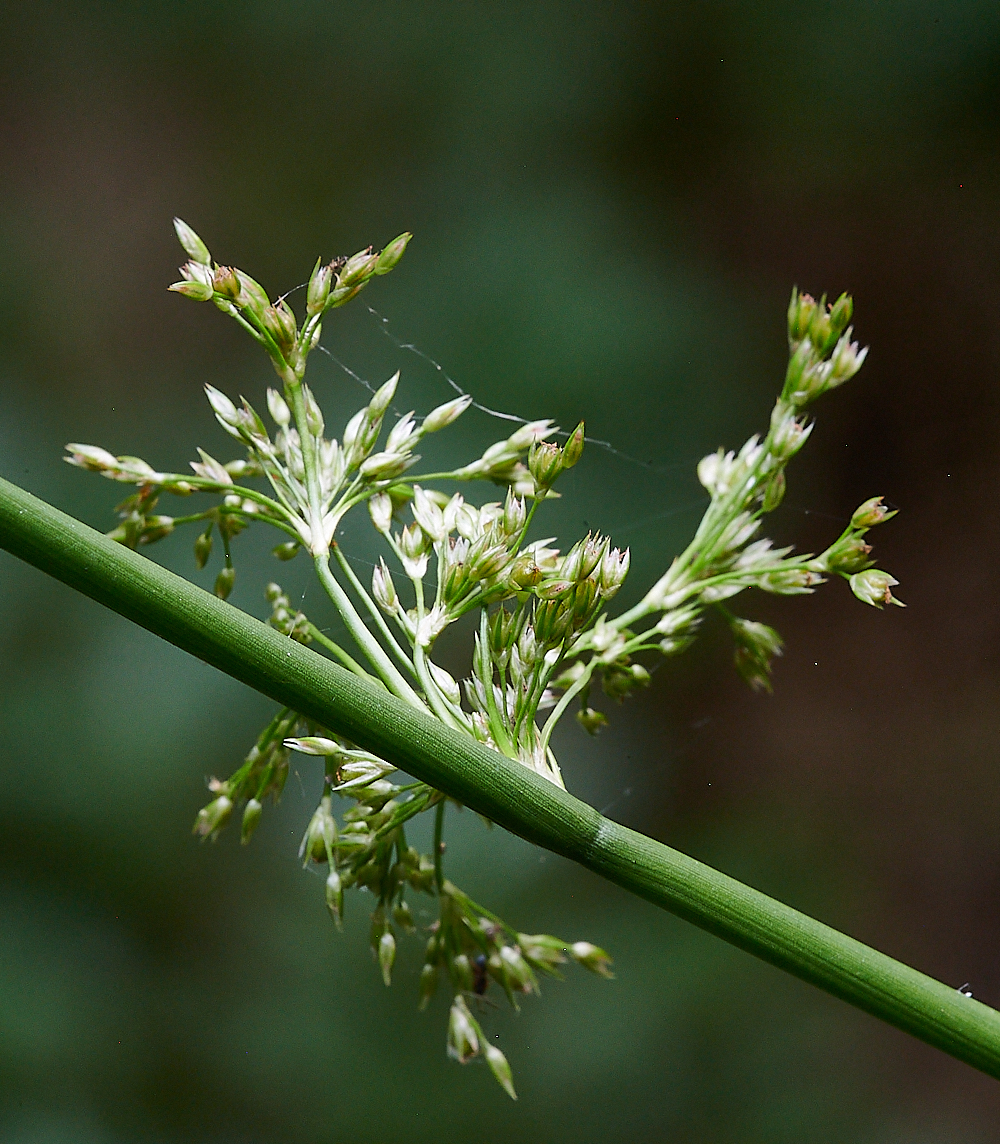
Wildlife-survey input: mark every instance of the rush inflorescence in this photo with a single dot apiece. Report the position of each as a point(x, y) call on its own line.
point(545, 637)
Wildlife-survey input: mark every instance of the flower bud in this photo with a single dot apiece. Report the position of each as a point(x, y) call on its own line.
point(251, 818)
point(500, 1069)
point(774, 492)
point(358, 268)
point(335, 898)
point(850, 554)
point(573, 449)
point(278, 408)
point(461, 971)
point(591, 957)
point(253, 296)
point(463, 1041)
point(320, 834)
point(203, 548)
point(384, 466)
point(279, 321)
point(445, 414)
point(800, 314)
point(212, 818)
point(198, 291)
point(380, 510)
point(383, 397)
point(383, 589)
point(872, 587)
point(195, 249)
point(386, 955)
point(841, 312)
point(428, 985)
point(872, 512)
point(287, 551)
point(389, 257)
point(544, 463)
point(591, 720)
point(319, 288)
point(226, 283)
point(224, 582)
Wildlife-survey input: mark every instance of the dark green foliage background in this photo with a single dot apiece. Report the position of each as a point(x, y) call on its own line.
point(611, 204)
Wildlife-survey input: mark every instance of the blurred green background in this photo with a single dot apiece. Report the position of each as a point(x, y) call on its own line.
point(611, 203)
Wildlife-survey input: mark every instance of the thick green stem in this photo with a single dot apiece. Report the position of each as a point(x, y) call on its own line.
point(505, 791)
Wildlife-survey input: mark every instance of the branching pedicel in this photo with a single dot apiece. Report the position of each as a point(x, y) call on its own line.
point(545, 636)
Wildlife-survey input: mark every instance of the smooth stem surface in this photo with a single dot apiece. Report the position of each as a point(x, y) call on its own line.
point(505, 791)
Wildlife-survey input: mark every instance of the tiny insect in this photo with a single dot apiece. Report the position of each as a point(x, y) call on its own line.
point(480, 978)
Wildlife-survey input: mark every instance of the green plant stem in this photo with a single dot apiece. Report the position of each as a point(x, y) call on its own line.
point(373, 650)
point(372, 608)
point(505, 791)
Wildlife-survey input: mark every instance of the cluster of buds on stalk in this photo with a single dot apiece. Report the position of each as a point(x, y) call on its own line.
point(263, 773)
point(545, 635)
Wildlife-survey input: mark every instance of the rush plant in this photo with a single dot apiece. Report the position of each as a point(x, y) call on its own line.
point(546, 637)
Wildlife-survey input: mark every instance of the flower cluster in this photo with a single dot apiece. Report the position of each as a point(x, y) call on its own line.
point(545, 634)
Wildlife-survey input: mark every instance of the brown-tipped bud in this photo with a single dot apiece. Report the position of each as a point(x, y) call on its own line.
point(872, 512)
point(591, 957)
point(279, 321)
point(198, 291)
point(389, 257)
point(800, 314)
point(358, 268)
point(203, 548)
point(525, 573)
point(212, 818)
point(573, 449)
point(319, 288)
point(335, 898)
point(226, 283)
point(224, 582)
point(251, 819)
point(386, 955)
point(848, 555)
point(253, 296)
point(872, 587)
point(544, 463)
point(195, 249)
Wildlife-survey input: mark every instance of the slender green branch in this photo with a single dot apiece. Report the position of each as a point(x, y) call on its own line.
point(372, 608)
point(338, 651)
point(373, 650)
point(510, 794)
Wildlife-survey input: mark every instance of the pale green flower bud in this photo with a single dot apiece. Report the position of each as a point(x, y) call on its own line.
point(91, 457)
point(212, 818)
point(591, 720)
point(461, 971)
point(380, 510)
point(193, 246)
point(320, 834)
point(500, 1069)
point(514, 514)
point(428, 985)
point(383, 397)
point(573, 449)
point(402, 434)
point(591, 957)
point(389, 257)
point(383, 589)
point(287, 551)
point(774, 492)
point(800, 315)
point(446, 683)
point(846, 361)
point(463, 1041)
point(198, 291)
point(278, 408)
point(848, 555)
point(203, 548)
point(427, 514)
point(383, 466)
point(251, 818)
point(445, 414)
point(335, 898)
point(224, 582)
point(872, 587)
point(253, 296)
point(544, 463)
point(319, 288)
point(386, 955)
